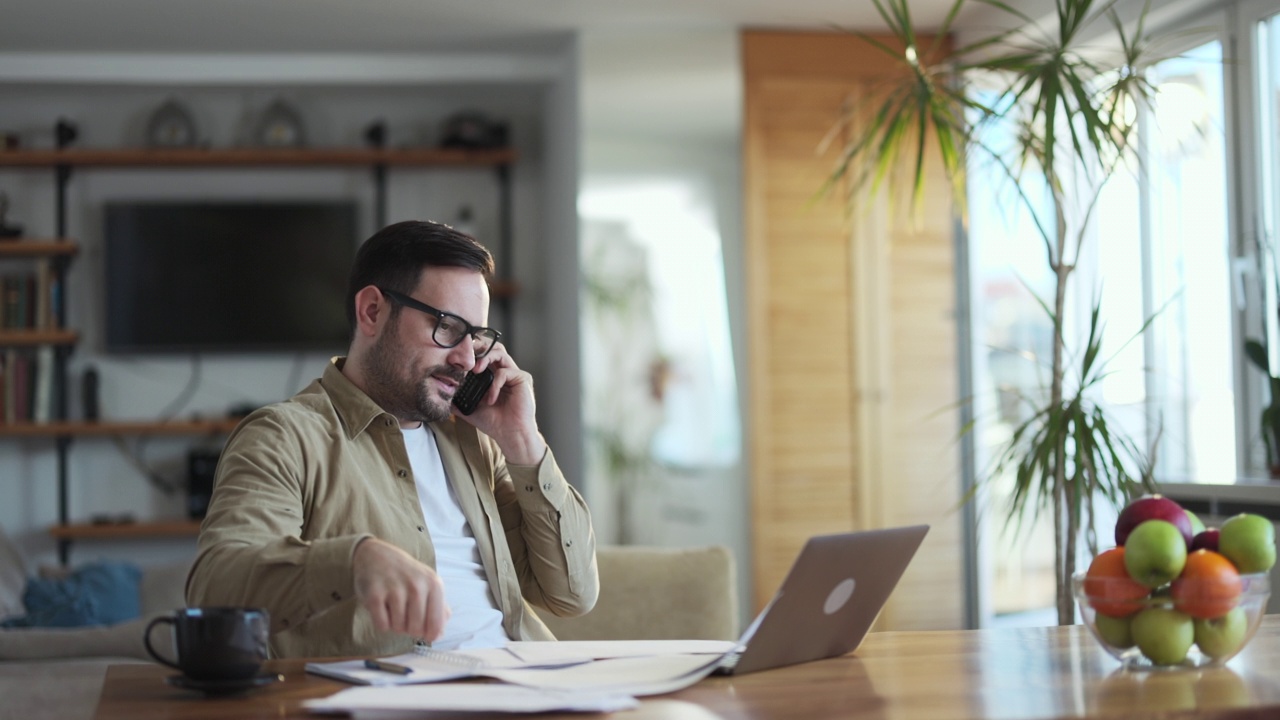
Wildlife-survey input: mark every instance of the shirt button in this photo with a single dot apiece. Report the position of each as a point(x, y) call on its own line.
point(528, 488)
point(336, 597)
point(547, 486)
point(388, 422)
point(420, 528)
point(568, 543)
point(402, 473)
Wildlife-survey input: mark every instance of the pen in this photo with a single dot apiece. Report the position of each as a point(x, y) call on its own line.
point(387, 667)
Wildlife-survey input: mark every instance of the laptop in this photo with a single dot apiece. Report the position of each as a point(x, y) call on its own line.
point(828, 601)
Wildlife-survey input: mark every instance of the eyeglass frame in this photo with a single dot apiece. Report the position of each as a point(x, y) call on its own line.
point(404, 300)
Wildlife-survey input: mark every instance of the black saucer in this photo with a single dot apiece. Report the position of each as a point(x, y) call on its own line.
point(223, 687)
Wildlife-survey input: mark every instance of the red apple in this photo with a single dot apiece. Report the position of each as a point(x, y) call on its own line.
point(1207, 540)
point(1152, 507)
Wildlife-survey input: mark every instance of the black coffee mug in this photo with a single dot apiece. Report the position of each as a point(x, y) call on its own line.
point(215, 643)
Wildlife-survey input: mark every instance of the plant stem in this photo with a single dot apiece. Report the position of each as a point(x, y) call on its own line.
point(1064, 537)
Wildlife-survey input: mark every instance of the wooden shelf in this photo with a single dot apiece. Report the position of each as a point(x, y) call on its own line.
point(103, 428)
point(21, 338)
point(37, 247)
point(117, 531)
point(283, 157)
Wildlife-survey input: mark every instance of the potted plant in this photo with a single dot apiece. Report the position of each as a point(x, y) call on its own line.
point(1070, 115)
point(1259, 354)
point(1256, 351)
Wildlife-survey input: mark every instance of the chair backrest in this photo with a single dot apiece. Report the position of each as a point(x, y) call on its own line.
point(652, 593)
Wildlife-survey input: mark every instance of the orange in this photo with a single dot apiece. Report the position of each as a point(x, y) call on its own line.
point(1208, 587)
point(1110, 589)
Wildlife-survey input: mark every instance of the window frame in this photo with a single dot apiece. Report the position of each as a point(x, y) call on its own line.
point(1244, 105)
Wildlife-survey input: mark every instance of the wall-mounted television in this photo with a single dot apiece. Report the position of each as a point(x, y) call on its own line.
point(227, 276)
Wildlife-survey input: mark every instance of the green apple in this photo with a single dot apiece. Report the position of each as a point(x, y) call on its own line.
point(1249, 541)
point(1155, 552)
point(1114, 631)
point(1197, 525)
point(1164, 635)
point(1222, 636)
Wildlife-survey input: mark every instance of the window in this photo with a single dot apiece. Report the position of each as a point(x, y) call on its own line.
point(1163, 245)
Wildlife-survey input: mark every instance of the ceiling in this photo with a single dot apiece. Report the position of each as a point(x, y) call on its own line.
point(368, 26)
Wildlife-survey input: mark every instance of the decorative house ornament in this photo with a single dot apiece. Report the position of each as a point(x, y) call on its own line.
point(280, 126)
point(171, 126)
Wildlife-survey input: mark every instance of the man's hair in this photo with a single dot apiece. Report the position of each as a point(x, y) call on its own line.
point(395, 256)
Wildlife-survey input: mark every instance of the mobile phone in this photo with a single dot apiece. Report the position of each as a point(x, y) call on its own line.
point(473, 387)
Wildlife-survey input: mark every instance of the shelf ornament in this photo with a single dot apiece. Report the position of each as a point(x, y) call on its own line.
point(171, 126)
point(280, 126)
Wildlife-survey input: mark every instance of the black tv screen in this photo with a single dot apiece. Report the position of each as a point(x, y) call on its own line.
point(228, 276)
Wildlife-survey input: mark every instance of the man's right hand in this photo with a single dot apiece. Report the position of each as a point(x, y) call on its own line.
point(400, 593)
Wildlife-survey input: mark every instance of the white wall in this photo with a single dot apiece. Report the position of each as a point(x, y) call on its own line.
point(111, 112)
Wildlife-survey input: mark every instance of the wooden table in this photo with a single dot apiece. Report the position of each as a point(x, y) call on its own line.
point(1054, 672)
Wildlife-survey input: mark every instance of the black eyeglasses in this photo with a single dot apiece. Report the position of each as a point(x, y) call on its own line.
point(450, 329)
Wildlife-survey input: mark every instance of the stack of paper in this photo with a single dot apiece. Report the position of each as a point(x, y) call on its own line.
point(648, 675)
point(463, 697)
point(543, 677)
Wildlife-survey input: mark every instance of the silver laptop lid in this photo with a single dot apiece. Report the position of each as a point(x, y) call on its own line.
point(831, 596)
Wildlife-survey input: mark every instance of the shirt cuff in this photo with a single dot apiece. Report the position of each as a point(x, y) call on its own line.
point(330, 573)
point(539, 486)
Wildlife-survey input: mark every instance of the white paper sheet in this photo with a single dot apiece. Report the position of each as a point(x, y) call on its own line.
point(646, 675)
point(387, 702)
point(539, 653)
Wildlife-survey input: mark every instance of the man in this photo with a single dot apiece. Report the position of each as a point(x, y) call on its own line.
point(365, 516)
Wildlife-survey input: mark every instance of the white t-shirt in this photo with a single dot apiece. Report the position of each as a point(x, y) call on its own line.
point(476, 621)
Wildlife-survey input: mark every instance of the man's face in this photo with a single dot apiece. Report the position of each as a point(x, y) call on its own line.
point(408, 374)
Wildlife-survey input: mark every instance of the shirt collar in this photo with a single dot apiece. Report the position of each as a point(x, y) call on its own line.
point(356, 409)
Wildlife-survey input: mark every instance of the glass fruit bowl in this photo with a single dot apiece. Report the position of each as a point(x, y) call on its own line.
point(1159, 631)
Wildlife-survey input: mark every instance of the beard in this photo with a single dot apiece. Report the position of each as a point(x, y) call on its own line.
point(406, 397)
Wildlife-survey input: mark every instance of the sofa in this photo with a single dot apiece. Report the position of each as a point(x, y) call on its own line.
point(645, 593)
point(58, 672)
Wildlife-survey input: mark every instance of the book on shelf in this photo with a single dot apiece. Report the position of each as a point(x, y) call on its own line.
point(21, 384)
point(13, 296)
point(10, 366)
point(28, 393)
point(43, 278)
point(30, 301)
point(42, 410)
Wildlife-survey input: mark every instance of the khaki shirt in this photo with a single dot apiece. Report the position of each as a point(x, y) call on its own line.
point(301, 482)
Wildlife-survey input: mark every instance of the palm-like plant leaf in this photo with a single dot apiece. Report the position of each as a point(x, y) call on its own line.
point(1069, 117)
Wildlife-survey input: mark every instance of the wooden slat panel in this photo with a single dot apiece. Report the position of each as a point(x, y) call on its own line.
point(852, 344)
point(801, 361)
